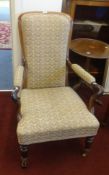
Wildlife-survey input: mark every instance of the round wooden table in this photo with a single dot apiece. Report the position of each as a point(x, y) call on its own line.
point(90, 48)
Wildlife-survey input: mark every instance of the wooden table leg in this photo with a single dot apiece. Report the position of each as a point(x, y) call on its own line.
point(87, 64)
point(106, 118)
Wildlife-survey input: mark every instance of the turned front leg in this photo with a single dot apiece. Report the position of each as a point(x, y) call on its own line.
point(88, 144)
point(24, 155)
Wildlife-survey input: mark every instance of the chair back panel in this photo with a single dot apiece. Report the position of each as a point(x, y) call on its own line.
point(45, 44)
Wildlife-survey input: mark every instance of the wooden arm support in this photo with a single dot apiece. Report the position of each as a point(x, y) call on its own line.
point(15, 92)
point(98, 90)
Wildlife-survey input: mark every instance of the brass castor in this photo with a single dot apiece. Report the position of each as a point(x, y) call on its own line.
point(24, 162)
point(85, 152)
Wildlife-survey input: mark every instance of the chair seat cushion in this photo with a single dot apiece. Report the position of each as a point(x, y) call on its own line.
point(53, 114)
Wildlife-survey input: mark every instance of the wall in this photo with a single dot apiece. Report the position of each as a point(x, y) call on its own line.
point(19, 6)
point(45, 5)
point(4, 11)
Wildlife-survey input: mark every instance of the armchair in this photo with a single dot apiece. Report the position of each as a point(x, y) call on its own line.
point(48, 109)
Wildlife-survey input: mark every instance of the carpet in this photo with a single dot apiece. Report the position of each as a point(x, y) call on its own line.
point(5, 35)
point(5, 25)
point(52, 158)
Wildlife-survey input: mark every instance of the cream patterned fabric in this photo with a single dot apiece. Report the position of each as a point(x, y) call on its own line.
point(53, 114)
point(18, 79)
point(45, 39)
point(83, 74)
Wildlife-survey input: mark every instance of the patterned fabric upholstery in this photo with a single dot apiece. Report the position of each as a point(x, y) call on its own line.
point(45, 40)
point(49, 110)
point(18, 80)
point(53, 114)
point(83, 74)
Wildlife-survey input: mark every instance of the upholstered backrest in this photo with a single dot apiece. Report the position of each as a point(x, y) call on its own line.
point(44, 39)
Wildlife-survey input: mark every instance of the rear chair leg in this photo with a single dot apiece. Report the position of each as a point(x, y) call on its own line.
point(88, 143)
point(24, 155)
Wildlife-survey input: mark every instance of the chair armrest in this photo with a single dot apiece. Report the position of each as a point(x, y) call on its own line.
point(18, 79)
point(83, 74)
point(89, 80)
point(18, 82)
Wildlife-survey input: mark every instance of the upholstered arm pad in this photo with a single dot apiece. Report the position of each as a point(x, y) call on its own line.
point(18, 79)
point(83, 74)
